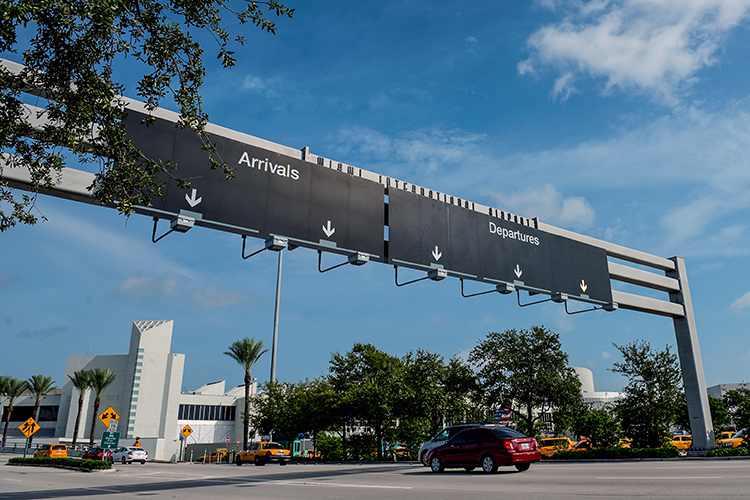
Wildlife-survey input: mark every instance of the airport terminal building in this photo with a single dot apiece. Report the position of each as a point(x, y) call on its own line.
point(147, 396)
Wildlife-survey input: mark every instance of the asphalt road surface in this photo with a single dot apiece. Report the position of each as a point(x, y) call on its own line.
point(683, 478)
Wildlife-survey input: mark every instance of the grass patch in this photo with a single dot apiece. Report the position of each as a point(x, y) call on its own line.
point(66, 462)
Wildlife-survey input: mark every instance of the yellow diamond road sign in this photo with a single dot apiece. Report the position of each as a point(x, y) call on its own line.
point(108, 415)
point(29, 427)
point(186, 431)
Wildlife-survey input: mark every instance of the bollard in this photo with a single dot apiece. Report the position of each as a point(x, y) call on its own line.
point(191, 456)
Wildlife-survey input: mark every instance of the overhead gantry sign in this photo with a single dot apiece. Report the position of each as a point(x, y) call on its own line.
point(290, 197)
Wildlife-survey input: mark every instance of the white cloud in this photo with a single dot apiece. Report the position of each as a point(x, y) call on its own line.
point(656, 47)
point(155, 285)
point(7, 279)
point(550, 206)
point(741, 303)
point(471, 40)
point(253, 83)
point(606, 354)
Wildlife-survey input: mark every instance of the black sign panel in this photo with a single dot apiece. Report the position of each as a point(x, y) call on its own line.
point(426, 233)
point(271, 194)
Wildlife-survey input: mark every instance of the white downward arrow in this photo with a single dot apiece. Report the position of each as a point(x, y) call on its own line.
point(518, 271)
point(436, 254)
point(191, 199)
point(329, 230)
point(584, 286)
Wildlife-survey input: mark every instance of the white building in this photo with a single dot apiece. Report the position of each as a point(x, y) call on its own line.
point(147, 396)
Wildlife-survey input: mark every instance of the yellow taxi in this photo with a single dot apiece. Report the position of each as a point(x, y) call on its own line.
point(736, 440)
point(214, 456)
point(625, 442)
point(52, 450)
point(550, 446)
point(264, 452)
point(723, 436)
point(583, 445)
point(682, 441)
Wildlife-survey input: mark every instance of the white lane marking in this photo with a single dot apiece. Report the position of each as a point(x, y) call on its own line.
point(8, 479)
point(659, 477)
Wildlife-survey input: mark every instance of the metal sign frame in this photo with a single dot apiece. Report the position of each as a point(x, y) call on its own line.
point(670, 274)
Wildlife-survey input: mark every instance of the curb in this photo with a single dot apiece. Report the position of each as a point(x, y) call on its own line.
point(68, 467)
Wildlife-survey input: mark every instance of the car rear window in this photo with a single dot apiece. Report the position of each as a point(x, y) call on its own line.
point(58, 447)
point(272, 446)
point(505, 433)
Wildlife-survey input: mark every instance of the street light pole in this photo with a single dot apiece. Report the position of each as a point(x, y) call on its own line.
point(276, 320)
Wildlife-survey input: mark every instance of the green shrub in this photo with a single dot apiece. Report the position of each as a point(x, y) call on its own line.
point(68, 462)
point(740, 451)
point(618, 453)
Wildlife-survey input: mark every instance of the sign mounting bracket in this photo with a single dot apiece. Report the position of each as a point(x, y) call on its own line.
point(433, 274)
point(274, 243)
point(356, 259)
point(181, 224)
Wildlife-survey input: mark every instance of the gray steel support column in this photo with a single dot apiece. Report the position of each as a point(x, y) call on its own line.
point(276, 320)
point(691, 363)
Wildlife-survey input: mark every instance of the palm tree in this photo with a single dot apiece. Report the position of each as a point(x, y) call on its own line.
point(40, 386)
point(82, 381)
point(100, 380)
point(246, 352)
point(15, 388)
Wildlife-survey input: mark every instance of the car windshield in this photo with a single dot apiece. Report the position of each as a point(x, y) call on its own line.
point(505, 433)
point(272, 446)
point(442, 435)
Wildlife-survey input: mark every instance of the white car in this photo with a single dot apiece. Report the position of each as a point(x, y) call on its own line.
point(129, 454)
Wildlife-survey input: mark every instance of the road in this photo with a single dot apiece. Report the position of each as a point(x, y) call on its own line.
point(684, 478)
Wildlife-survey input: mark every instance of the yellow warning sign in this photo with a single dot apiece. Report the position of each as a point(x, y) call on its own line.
point(29, 427)
point(186, 431)
point(109, 415)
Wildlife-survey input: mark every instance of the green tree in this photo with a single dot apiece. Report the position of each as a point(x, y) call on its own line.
point(100, 380)
point(15, 387)
point(39, 386)
point(598, 425)
point(737, 402)
point(368, 379)
point(81, 380)
point(71, 62)
point(527, 369)
point(652, 395)
point(246, 352)
point(719, 414)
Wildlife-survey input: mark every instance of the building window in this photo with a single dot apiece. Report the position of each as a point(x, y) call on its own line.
point(139, 364)
point(137, 378)
point(206, 412)
point(137, 370)
point(132, 414)
point(134, 400)
point(141, 350)
point(135, 393)
point(140, 356)
point(136, 385)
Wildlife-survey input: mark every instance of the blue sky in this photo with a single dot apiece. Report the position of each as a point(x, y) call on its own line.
point(625, 120)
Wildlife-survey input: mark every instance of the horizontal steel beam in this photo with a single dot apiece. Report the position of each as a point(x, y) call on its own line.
point(72, 184)
point(642, 278)
point(612, 249)
point(647, 305)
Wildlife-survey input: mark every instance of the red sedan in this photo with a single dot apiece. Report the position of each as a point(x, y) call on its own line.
point(97, 454)
point(485, 447)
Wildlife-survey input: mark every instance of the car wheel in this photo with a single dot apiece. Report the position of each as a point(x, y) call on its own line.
point(282, 463)
point(469, 469)
point(238, 460)
point(523, 467)
point(436, 465)
point(258, 461)
point(143, 462)
point(124, 461)
point(489, 464)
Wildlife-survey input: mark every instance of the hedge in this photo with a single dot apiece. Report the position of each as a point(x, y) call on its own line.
point(740, 451)
point(618, 453)
point(66, 462)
